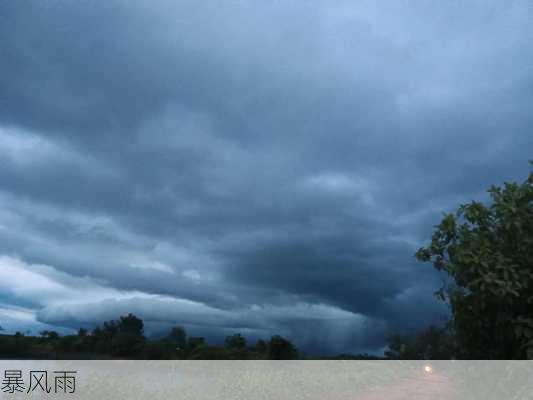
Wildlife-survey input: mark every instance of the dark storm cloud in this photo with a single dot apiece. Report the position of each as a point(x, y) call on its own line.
point(262, 167)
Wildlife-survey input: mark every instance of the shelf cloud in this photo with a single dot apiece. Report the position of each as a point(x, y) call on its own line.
point(254, 167)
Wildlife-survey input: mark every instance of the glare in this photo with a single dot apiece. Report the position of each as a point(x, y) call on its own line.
point(427, 368)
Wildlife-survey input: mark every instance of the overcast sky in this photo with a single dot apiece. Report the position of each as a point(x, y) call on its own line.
point(264, 167)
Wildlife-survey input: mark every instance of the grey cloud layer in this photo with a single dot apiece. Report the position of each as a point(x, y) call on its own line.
point(272, 165)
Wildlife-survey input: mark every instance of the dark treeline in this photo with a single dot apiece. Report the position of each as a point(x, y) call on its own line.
point(124, 339)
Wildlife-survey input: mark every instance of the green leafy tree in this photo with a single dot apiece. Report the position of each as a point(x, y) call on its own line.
point(487, 251)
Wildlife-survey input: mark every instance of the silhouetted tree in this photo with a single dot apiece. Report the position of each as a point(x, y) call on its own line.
point(131, 324)
point(52, 335)
point(163, 349)
point(281, 349)
point(431, 344)
point(195, 342)
point(235, 342)
point(129, 339)
point(178, 337)
point(261, 347)
point(123, 337)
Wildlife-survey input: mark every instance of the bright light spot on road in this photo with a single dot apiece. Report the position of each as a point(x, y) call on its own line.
point(427, 368)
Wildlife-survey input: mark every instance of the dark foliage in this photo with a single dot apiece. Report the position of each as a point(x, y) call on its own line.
point(431, 344)
point(487, 251)
point(281, 349)
point(124, 339)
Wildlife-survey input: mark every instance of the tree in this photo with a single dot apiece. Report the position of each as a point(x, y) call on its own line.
point(195, 342)
point(487, 251)
point(261, 346)
point(129, 339)
point(110, 329)
point(431, 344)
point(162, 349)
point(235, 342)
point(281, 349)
point(178, 337)
point(131, 324)
point(51, 335)
point(123, 337)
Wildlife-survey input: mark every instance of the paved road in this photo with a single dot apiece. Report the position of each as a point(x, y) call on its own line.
point(423, 386)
